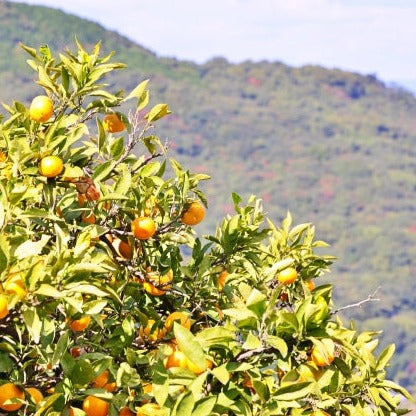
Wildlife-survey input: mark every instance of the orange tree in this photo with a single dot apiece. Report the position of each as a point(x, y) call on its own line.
point(102, 311)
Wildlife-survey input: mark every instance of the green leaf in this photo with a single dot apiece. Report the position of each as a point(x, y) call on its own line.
point(188, 344)
point(222, 374)
point(31, 248)
point(50, 291)
point(117, 147)
point(397, 388)
point(6, 364)
point(157, 112)
point(252, 342)
point(256, 302)
point(33, 323)
point(294, 391)
point(103, 170)
point(60, 348)
point(82, 373)
point(87, 289)
point(184, 405)
point(215, 336)
point(4, 253)
point(278, 343)
point(204, 406)
point(160, 380)
point(138, 91)
point(385, 357)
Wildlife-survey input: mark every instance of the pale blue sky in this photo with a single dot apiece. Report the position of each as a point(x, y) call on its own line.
point(367, 36)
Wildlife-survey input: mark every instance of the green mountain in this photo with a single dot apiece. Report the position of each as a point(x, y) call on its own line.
point(335, 148)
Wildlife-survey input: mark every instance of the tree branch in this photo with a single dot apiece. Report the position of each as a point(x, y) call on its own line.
point(370, 298)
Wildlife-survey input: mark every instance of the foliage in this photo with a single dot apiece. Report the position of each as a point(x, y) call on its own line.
point(334, 147)
point(78, 307)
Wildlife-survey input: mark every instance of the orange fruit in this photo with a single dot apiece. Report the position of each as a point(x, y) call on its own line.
point(51, 166)
point(88, 219)
point(4, 310)
point(76, 351)
point(80, 324)
point(123, 248)
point(94, 406)
point(145, 334)
point(35, 394)
point(125, 411)
point(221, 280)
point(101, 380)
point(14, 285)
point(10, 391)
point(176, 359)
point(113, 124)
point(287, 276)
point(194, 214)
point(247, 382)
point(143, 228)
point(148, 409)
point(181, 317)
point(310, 284)
point(3, 157)
point(111, 387)
point(157, 285)
point(196, 369)
point(323, 355)
point(41, 108)
point(148, 388)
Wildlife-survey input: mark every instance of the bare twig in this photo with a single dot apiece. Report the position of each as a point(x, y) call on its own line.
point(370, 298)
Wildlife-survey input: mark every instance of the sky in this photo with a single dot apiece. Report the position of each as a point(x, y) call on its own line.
point(367, 36)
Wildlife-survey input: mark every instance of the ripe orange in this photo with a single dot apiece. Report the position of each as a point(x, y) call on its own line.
point(35, 394)
point(287, 276)
point(101, 380)
point(323, 355)
point(157, 285)
point(194, 214)
point(176, 359)
point(148, 409)
point(143, 228)
point(181, 317)
point(125, 411)
point(113, 124)
point(3, 157)
point(88, 219)
point(111, 387)
point(80, 324)
point(10, 391)
point(310, 284)
point(51, 166)
point(221, 280)
point(123, 249)
point(41, 108)
point(145, 334)
point(94, 406)
point(4, 310)
point(14, 285)
point(196, 369)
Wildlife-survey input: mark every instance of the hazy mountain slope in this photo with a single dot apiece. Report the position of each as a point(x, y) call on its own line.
point(334, 147)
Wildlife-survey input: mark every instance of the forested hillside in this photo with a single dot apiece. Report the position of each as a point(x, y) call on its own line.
point(335, 148)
